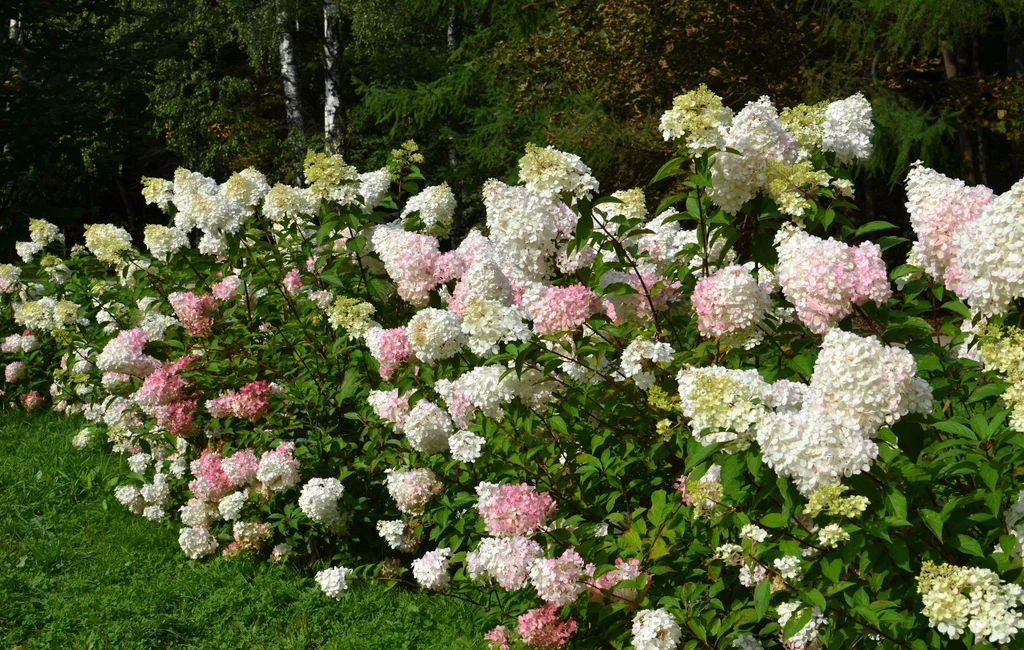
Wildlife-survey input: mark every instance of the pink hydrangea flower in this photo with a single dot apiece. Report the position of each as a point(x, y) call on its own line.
point(194, 312)
point(824, 278)
point(389, 347)
point(636, 307)
point(177, 417)
point(32, 400)
point(164, 386)
point(14, 371)
point(730, 302)
point(390, 407)
point(250, 402)
point(241, 467)
point(412, 489)
point(460, 408)
point(226, 288)
point(604, 585)
point(211, 483)
point(123, 354)
point(513, 510)
point(556, 310)
point(542, 628)
point(498, 638)
point(938, 204)
point(11, 344)
point(410, 259)
point(559, 581)
point(871, 281)
point(292, 282)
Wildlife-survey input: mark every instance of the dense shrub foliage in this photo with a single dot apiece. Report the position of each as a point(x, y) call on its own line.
point(711, 424)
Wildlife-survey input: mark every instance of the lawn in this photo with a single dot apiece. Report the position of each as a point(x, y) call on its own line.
point(78, 571)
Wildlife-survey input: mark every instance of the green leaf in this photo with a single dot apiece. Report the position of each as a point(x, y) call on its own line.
point(873, 226)
point(957, 307)
point(774, 520)
point(969, 545)
point(831, 568)
point(933, 520)
point(896, 504)
point(796, 623)
point(584, 228)
point(762, 597)
point(658, 511)
point(814, 597)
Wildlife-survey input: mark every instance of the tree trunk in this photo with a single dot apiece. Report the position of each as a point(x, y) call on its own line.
point(334, 108)
point(453, 154)
point(979, 134)
point(1015, 70)
point(126, 199)
point(290, 73)
point(13, 33)
point(954, 65)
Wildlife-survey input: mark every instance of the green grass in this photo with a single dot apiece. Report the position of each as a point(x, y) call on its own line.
point(78, 571)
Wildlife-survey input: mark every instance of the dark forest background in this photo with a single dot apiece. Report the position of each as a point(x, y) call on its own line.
point(99, 93)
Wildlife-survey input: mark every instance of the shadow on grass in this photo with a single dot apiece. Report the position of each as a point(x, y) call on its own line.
point(77, 570)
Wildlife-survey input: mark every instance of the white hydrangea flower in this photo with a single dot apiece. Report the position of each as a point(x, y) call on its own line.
point(435, 206)
point(199, 513)
point(788, 567)
point(956, 598)
point(427, 427)
point(82, 438)
point(466, 446)
point(435, 334)
point(43, 232)
point(547, 172)
point(246, 188)
point(753, 533)
point(373, 186)
point(107, 242)
point(27, 250)
point(230, 507)
point(721, 400)
point(639, 350)
point(807, 636)
point(759, 136)
point(488, 388)
point(319, 500)
point(157, 191)
point(858, 386)
point(832, 535)
point(431, 570)
point(655, 629)
point(332, 581)
point(989, 265)
point(393, 532)
point(698, 116)
point(139, 462)
point(506, 560)
point(848, 128)
point(747, 642)
point(164, 241)
point(284, 203)
point(130, 497)
point(526, 230)
point(196, 542)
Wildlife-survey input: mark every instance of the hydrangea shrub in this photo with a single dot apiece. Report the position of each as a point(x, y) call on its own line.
point(724, 421)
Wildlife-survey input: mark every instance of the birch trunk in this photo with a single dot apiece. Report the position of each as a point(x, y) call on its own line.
point(290, 73)
point(334, 109)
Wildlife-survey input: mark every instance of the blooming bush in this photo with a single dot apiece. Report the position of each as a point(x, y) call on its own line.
point(723, 422)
